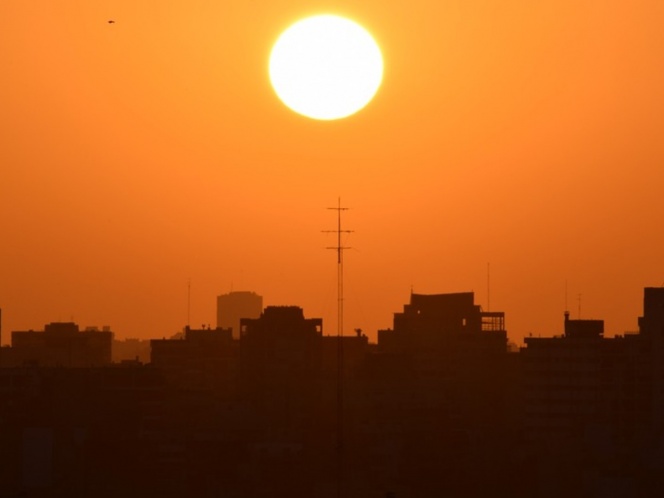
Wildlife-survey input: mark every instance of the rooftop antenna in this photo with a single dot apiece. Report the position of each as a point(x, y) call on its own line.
point(488, 286)
point(188, 302)
point(340, 321)
point(340, 266)
point(579, 298)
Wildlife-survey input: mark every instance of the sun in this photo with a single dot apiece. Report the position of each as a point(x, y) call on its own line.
point(326, 67)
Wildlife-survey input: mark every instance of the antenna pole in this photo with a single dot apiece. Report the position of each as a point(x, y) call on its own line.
point(340, 332)
point(488, 286)
point(340, 266)
point(189, 302)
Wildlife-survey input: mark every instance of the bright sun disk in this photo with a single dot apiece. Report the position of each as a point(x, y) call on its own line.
point(326, 67)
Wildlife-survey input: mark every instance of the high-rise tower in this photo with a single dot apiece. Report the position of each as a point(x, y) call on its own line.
point(233, 306)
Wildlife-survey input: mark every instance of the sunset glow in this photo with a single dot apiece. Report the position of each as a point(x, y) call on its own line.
point(358, 249)
point(151, 155)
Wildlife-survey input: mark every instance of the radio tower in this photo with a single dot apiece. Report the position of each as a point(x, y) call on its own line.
point(340, 267)
point(340, 332)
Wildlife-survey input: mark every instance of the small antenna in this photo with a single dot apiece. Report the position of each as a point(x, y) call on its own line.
point(566, 307)
point(579, 298)
point(488, 286)
point(189, 302)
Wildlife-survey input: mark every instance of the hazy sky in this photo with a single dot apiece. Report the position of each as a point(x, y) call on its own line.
point(139, 155)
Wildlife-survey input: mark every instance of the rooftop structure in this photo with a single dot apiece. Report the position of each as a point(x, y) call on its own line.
point(434, 323)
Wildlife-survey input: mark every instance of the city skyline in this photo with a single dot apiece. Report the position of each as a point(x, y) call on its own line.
point(239, 305)
point(284, 410)
point(140, 155)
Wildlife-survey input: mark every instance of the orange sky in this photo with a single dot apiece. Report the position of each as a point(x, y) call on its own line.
point(138, 155)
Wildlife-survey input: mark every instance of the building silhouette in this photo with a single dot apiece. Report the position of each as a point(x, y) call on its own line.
point(234, 306)
point(563, 380)
point(437, 407)
point(280, 393)
point(83, 431)
point(443, 323)
point(651, 329)
point(201, 358)
point(591, 406)
point(131, 349)
point(60, 344)
point(438, 382)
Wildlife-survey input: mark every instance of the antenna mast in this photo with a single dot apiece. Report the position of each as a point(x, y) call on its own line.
point(340, 332)
point(566, 307)
point(188, 303)
point(340, 267)
point(488, 286)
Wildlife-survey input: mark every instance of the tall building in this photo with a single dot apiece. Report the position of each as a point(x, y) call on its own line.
point(442, 373)
point(563, 380)
point(651, 324)
point(651, 327)
point(456, 352)
point(234, 306)
point(594, 402)
point(280, 359)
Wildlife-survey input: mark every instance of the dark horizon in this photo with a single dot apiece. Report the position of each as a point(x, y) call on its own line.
point(284, 410)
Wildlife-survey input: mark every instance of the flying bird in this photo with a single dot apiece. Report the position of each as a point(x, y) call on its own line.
point(111, 21)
